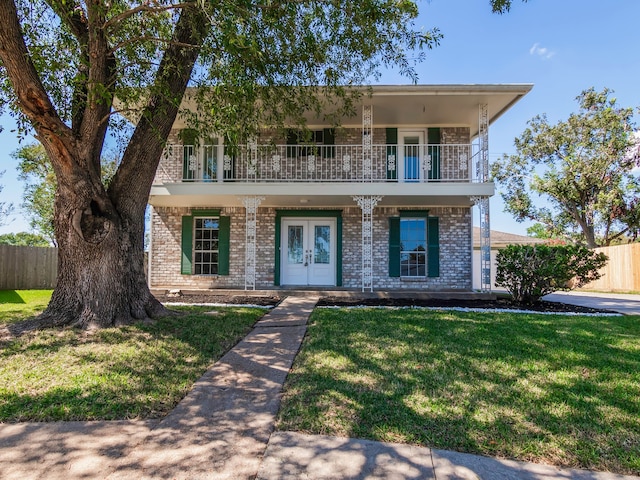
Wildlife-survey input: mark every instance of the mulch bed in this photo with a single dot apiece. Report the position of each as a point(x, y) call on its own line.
point(225, 299)
point(498, 304)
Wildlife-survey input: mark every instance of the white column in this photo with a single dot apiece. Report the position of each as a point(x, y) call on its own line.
point(252, 157)
point(367, 204)
point(483, 139)
point(485, 242)
point(483, 204)
point(220, 160)
point(251, 204)
point(367, 142)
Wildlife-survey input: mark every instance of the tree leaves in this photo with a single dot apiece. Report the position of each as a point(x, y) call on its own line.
point(5, 208)
point(581, 167)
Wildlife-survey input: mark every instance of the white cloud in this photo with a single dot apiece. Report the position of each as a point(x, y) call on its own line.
point(542, 52)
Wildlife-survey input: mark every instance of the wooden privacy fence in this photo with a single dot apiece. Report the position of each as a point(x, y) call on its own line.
point(622, 272)
point(28, 267)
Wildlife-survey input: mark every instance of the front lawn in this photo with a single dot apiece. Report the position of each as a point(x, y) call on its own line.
point(139, 371)
point(552, 389)
point(16, 305)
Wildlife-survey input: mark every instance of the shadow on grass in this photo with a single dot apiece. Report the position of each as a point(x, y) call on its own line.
point(138, 371)
point(10, 296)
point(562, 390)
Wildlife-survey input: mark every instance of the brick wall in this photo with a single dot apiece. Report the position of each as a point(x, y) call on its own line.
point(455, 250)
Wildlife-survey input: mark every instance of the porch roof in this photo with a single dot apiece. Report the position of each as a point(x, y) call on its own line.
point(316, 195)
point(420, 105)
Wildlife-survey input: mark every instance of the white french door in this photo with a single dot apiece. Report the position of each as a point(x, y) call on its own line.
point(308, 251)
point(411, 146)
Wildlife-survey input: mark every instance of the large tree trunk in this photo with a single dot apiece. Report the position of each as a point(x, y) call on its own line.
point(100, 234)
point(101, 278)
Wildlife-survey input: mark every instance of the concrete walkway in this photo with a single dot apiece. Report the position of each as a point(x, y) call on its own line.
point(627, 304)
point(223, 429)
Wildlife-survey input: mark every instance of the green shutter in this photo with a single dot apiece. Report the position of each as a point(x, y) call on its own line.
point(433, 247)
point(230, 150)
point(185, 163)
point(433, 139)
point(394, 246)
point(292, 141)
point(392, 150)
point(329, 139)
point(187, 245)
point(188, 136)
point(392, 136)
point(189, 139)
point(224, 240)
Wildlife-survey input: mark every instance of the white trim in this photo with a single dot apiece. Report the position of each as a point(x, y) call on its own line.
point(421, 133)
point(308, 223)
point(149, 254)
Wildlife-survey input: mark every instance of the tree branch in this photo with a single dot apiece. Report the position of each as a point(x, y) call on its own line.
point(72, 15)
point(100, 85)
point(143, 8)
point(129, 189)
point(118, 46)
point(34, 100)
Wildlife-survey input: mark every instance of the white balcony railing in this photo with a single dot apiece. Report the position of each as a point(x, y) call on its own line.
point(324, 163)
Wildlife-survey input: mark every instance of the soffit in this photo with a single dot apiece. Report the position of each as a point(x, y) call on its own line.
point(441, 105)
point(424, 105)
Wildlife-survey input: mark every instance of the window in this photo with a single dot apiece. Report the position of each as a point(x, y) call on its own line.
point(205, 245)
point(413, 247)
point(312, 142)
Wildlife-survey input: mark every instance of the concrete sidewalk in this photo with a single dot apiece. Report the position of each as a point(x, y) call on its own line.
point(220, 430)
point(223, 429)
point(292, 456)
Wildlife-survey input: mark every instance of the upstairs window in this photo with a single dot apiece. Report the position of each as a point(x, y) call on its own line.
point(302, 143)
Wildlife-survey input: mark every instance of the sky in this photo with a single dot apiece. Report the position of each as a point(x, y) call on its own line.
point(562, 47)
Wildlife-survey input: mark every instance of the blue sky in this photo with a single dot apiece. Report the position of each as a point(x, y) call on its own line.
point(560, 46)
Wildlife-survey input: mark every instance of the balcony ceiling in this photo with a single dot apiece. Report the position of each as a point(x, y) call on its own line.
point(317, 195)
point(424, 105)
point(442, 105)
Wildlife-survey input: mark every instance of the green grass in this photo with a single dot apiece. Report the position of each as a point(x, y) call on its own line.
point(551, 389)
point(139, 371)
point(16, 305)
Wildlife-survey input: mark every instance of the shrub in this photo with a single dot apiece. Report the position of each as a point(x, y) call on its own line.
point(530, 272)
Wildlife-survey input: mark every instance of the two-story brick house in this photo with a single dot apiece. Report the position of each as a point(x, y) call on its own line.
point(383, 202)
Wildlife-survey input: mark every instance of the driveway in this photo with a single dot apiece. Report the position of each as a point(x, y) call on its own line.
point(626, 304)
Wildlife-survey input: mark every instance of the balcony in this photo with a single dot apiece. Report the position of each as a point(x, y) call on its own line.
point(320, 164)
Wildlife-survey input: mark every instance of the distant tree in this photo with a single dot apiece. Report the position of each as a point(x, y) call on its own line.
point(582, 167)
point(24, 239)
point(538, 230)
point(38, 197)
point(35, 169)
point(5, 208)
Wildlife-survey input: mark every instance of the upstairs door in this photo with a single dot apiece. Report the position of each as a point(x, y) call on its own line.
point(308, 249)
point(411, 146)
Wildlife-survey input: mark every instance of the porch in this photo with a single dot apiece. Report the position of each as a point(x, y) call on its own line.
point(397, 163)
point(351, 294)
